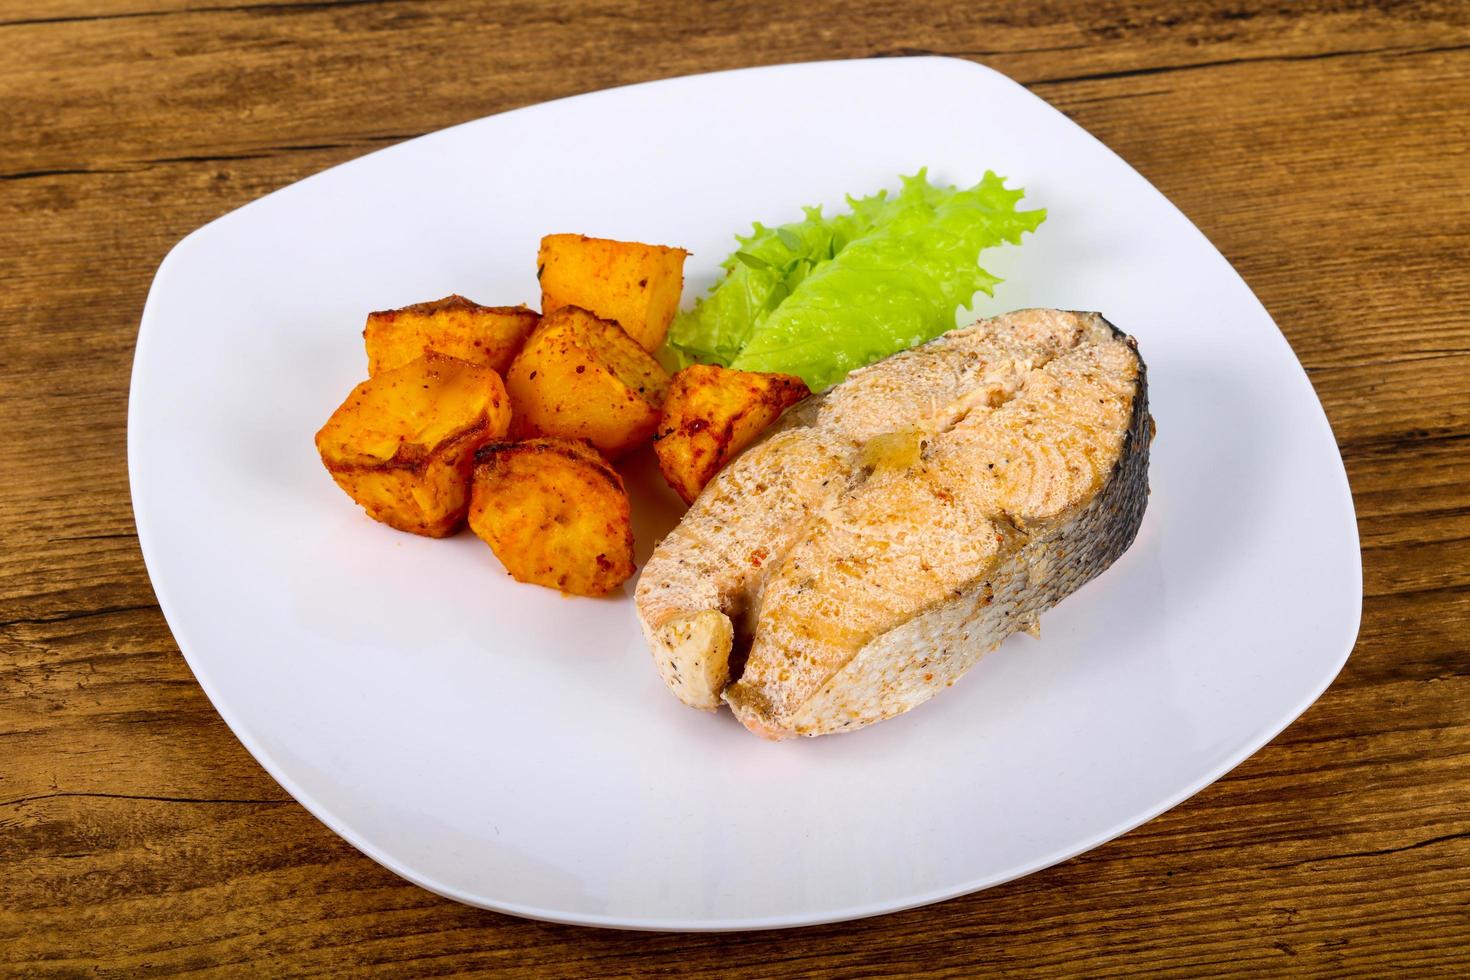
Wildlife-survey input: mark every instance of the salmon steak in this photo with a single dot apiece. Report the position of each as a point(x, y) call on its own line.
point(885, 535)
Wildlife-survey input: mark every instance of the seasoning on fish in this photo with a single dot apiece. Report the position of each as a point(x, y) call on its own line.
point(884, 536)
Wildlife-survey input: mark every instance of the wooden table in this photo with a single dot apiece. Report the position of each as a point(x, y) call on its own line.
point(1324, 147)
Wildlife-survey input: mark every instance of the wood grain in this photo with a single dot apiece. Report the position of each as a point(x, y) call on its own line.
point(1322, 146)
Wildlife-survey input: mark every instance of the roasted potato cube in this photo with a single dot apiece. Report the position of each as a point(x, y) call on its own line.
point(489, 335)
point(581, 377)
point(710, 414)
point(403, 443)
point(555, 513)
point(636, 285)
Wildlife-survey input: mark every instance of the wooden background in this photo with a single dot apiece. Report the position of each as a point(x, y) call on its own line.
point(1321, 145)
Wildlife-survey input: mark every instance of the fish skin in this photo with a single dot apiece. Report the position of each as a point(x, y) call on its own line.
point(1058, 545)
point(899, 555)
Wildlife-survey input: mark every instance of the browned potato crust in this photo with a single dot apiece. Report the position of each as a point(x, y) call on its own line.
point(633, 284)
point(403, 443)
point(555, 514)
point(710, 414)
point(581, 377)
point(489, 335)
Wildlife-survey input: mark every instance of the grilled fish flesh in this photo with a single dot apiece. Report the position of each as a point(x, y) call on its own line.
point(883, 536)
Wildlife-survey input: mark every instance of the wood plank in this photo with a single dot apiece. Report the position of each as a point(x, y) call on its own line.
point(253, 81)
point(16, 13)
point(309, 907)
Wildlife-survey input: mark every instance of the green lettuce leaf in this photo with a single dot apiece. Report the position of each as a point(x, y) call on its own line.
point(820, 297)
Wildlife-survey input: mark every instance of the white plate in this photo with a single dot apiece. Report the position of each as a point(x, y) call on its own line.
point(513, 749)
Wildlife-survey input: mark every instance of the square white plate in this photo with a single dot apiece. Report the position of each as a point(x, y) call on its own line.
point(514, 749)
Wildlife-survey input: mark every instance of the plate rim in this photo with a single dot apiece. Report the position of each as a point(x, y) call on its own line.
point(263, 758)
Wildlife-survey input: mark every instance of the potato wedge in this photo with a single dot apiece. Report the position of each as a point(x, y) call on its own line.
point(489, 335)
point(403, 443)
point(636, 285)
point(710, 414)
point(555, 513)
point(581, 377)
